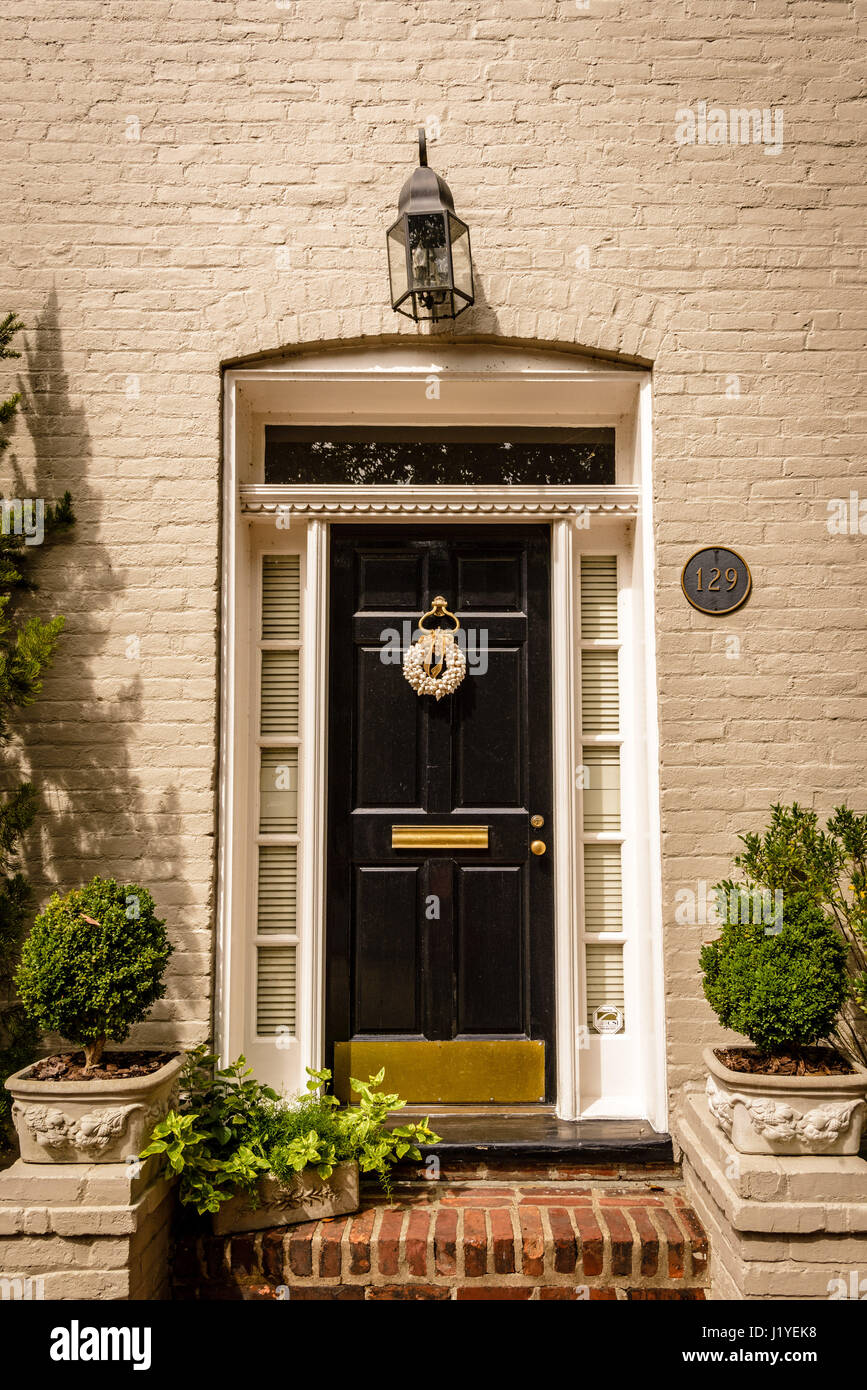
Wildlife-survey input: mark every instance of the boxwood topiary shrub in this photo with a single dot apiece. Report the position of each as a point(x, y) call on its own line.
point(782, 990)
point(93, 964)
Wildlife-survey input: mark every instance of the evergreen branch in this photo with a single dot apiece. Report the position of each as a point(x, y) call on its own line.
point(22, 663)
point(8, 410)
point(9, 326)
point(9, 407)
point(16, 554)
point(61, 516)
point(12, 577)
point(17, 813)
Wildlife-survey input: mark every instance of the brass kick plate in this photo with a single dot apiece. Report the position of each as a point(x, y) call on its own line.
point(507, 1071)
point(439, 837)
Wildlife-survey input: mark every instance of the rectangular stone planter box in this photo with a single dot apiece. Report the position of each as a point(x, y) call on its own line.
point(307, 1198)
point(90, 1121)
point(794, 1115)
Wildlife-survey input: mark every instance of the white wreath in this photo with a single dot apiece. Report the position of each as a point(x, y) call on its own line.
point(439, 649)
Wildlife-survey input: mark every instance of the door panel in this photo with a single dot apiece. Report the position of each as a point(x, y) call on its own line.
point(490, 583)
point(389, 753)
point(490, 946)
point(385, 580)
point(388, 991)
point(488, 739)
point(439, 945)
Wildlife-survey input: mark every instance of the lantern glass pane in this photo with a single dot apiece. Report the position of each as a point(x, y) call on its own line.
point(397, 262)
point(429, 253)
point(462, 266)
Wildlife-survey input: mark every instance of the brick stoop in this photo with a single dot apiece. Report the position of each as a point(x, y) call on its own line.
point(461, 1240)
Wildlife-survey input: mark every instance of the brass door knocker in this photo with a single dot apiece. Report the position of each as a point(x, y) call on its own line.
point(435, 664)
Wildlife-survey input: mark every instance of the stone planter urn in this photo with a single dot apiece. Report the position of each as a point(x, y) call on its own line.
point(307, 1198)
point(794, 1115)
point(100, 1121)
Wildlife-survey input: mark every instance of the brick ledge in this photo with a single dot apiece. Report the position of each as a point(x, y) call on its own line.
point(544, 1240)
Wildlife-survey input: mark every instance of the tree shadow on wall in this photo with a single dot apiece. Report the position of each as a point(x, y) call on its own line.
point(84, 743)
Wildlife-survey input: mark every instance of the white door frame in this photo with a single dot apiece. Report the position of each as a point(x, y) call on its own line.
point(481, 385)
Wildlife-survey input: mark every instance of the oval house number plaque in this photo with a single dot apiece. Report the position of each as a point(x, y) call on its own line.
point(716, 580)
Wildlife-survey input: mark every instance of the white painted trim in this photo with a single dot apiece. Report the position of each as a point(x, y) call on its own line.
point(655, 1080)
point(567, 866)
point(398, 375)
point(314, 705)
point(226, 781)
point(383, 503)
point(582, 393)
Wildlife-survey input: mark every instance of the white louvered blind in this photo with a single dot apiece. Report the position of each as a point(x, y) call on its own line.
point(278, 888)
point(599, 597)
point(604, 977)
point(275, 990)
point(600, 703)
point(603, 888)
point(278, 791)
point(601, 788)
point(281, 597)
point(278, 788)
point(280, 692)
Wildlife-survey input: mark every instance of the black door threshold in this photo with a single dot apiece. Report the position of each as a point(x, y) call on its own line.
point(539, 1136)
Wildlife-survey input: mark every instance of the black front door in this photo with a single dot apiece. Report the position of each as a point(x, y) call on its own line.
point(441, 945)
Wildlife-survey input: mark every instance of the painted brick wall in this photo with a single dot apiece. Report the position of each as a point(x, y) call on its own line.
point(189, 183)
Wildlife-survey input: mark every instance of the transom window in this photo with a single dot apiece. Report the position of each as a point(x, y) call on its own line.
point(457, 456)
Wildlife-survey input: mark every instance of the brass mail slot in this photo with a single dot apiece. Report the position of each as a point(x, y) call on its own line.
point(439, 837)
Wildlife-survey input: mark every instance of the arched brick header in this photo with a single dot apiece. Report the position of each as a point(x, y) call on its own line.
point(603, 320)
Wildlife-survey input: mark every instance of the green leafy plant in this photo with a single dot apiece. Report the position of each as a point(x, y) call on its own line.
point(306, 1133)
point(794, 854)
point(353, 1132)
point(230, 1129)
point(93, 964)
point(783, 989)
point(27, 647)
point(212, 1143)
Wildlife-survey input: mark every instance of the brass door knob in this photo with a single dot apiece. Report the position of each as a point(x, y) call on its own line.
point(538, 847)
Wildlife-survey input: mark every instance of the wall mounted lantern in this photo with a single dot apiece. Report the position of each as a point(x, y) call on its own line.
point(429, 260)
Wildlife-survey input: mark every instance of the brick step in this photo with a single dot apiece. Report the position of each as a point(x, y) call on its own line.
point(441, 1166)
point(471, 1240)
